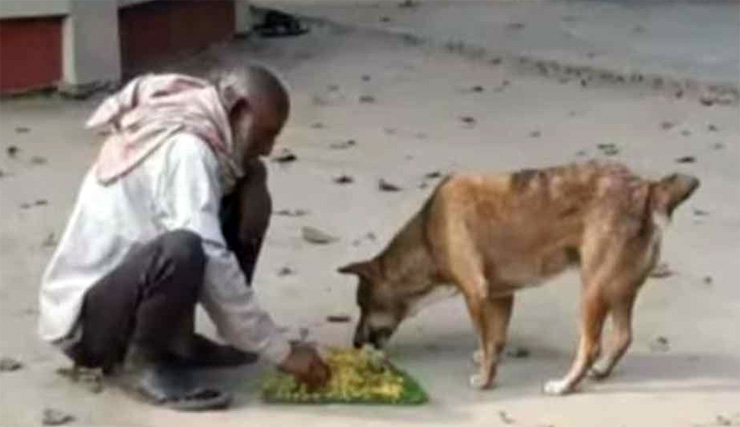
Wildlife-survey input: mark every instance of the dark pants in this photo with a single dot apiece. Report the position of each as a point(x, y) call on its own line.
point(149, 299)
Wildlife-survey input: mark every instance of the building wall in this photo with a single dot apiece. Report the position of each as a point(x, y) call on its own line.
point(74, 44)
point(30, 53)
point(33, 8)
point(155, 30)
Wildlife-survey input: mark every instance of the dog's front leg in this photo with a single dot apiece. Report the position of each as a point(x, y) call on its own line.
point(499, 325)
point(478, 311)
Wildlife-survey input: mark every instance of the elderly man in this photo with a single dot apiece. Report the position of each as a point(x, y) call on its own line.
point(172, 214)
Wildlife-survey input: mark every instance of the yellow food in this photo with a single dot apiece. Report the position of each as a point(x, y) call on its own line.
point(363, 375)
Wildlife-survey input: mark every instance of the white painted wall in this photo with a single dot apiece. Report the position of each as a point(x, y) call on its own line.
point(90, 48)
point(33, 8)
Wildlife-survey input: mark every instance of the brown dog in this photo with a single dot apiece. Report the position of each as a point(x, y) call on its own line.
point(487, 236)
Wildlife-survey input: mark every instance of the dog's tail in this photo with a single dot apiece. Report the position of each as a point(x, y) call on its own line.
point(668, 193)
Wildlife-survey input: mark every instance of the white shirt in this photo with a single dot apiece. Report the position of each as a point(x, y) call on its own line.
point(176, 187)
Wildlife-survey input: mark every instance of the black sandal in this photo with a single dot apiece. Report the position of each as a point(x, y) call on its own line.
point(174, 388)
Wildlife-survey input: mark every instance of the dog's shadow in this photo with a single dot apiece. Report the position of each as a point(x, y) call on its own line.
point(448, 363)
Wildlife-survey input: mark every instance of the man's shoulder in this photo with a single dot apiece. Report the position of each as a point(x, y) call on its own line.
point(189, 149)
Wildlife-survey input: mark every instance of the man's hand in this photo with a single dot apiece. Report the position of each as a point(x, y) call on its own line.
point(305, 364)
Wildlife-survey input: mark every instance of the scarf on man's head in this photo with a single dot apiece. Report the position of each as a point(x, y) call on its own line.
point(151, 109)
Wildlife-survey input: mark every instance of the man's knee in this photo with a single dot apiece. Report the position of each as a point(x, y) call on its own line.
point(184, 248)
point(255, 172)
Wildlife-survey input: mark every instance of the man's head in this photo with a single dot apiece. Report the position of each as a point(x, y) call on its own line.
point(380, 311)
point(258, 105)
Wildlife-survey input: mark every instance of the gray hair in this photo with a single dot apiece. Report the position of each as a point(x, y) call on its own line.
point(252, 82)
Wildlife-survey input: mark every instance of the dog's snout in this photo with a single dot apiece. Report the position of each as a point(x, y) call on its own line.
point(360, 337)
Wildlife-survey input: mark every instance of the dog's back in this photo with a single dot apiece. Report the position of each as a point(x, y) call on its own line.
point(532, 224)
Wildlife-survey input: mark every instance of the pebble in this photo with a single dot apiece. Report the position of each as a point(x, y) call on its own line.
point(55, 417)
point(338, 318)
point(50, 241)
point(384, 185)
point(292, 213)
point(608, 149)
point(316, 236)
point(468, 120)
point(367, 99)
point(285, 271)
point(91, 378)
point(661, 271)
point(8, 364)
point(343, 145)
point(660, 345)
point(38, 160)
point(505, 418)
point(286, 156)
point(344, 179)
point(518, 352)
point(686, 159)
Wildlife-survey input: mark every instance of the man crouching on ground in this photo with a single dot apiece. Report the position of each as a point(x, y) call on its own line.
point(146, 241)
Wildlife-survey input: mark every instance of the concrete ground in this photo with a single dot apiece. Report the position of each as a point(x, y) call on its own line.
point(676, 39)
point(414, 127)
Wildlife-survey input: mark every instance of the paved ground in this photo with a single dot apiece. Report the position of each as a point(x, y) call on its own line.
point(413, 128)
point(681, 39)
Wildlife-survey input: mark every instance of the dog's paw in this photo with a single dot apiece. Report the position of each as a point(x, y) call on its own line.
point(598, 373)
point(557, 387)
point(477, 357)
point(480, 382)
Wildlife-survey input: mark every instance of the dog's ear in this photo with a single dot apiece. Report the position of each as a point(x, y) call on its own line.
point(363, 269)
point(673, 190)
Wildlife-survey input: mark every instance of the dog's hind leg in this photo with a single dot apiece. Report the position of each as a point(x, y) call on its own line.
point(593, 312)
point(612, 268)
point(630, 267)
point(621, 338)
